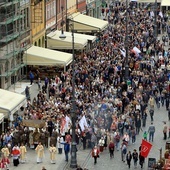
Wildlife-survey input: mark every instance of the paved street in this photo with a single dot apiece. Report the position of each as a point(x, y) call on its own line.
point(104, 162)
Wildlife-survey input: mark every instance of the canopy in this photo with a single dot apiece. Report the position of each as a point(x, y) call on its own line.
point(165, 3)
point(149, 1)
point(43, 56)
point(84, 23)
point(34, 123)
point(77, 35)
point(10, 102)
point(55, 42)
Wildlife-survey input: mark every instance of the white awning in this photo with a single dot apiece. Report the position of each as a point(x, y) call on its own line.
point(149, 1)
point(77, 35)
point(55, 42)
point(84, 23)
point(1, 117)
point(43, 56)
point(10, 102)
point(165, 3)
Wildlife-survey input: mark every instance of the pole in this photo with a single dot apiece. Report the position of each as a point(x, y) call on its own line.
point(73, 163)
point(160, 153)
point(155, 25)
point(126, 45)
point(67, 22)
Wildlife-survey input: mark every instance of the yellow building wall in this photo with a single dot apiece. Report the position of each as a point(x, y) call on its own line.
point(71, 7)
point(38, 23)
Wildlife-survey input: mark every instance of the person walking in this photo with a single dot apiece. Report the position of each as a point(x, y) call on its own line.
point(165, 130)
point(15, 154)
point(135, 158)
point(59, 145)
point(40, 152)
point(5, 151)
point(129, 158)
point(31, 76)
point(23, 152)
point(101, 144)
point(95, 154)
point(53, 151)
point(117, 140)
point(151, 132)
point(141, 160)
point(151, 111)
point(39, 84)
point(111, 149)
point(66, 149)
point(123, 151)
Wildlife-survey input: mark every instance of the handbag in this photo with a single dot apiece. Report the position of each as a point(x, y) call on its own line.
point(98, 156)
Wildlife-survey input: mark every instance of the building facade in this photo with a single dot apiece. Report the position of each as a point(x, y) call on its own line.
point(38, 22)
point(50, 15)
point(81, 6)
point(14, 39)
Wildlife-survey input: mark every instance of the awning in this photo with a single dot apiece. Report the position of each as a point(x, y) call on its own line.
point(43, 56)
point(77, 35)
point(1, 117)
point(10, 102)
point(165, 3)
point(84, 23)
point(54, 42)
point(149, 1)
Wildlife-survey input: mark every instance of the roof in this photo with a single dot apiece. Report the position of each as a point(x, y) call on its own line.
point(10, 102)
point(43, 56)
point(77, 35)
point(84, 23)
point(165, 3)
point(55, 42)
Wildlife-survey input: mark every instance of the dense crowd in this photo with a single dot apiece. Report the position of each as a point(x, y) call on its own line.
point(115, 109)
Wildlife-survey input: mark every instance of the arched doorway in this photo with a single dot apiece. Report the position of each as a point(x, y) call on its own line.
point(43, 42)
point(35, 43)
point(39, 43)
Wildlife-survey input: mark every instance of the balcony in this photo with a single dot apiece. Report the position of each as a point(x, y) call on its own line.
point(10, 2)
point(7, 38)
point(9, 18)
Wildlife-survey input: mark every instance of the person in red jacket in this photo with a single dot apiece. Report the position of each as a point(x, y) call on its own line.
point(111, 149)
point(95, 154)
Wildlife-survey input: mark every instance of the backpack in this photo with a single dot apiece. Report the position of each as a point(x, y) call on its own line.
point(124, 150)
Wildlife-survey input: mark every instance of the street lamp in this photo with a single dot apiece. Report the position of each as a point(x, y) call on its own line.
point(73, 163)
point(155, 24)
point(126, 46)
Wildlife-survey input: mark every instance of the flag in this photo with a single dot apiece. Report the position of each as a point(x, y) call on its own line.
point(145, 148)
point(63, 123)
point(123, 52)
point(68, 122)
point(83, 123)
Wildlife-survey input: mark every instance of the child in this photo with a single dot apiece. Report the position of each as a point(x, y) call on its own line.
point(145, 135)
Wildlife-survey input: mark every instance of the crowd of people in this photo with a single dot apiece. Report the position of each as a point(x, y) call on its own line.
point(115, 108)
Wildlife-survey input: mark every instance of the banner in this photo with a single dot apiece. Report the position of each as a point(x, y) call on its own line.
point(63, 123)
point(83, 123)
point(145, 148)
